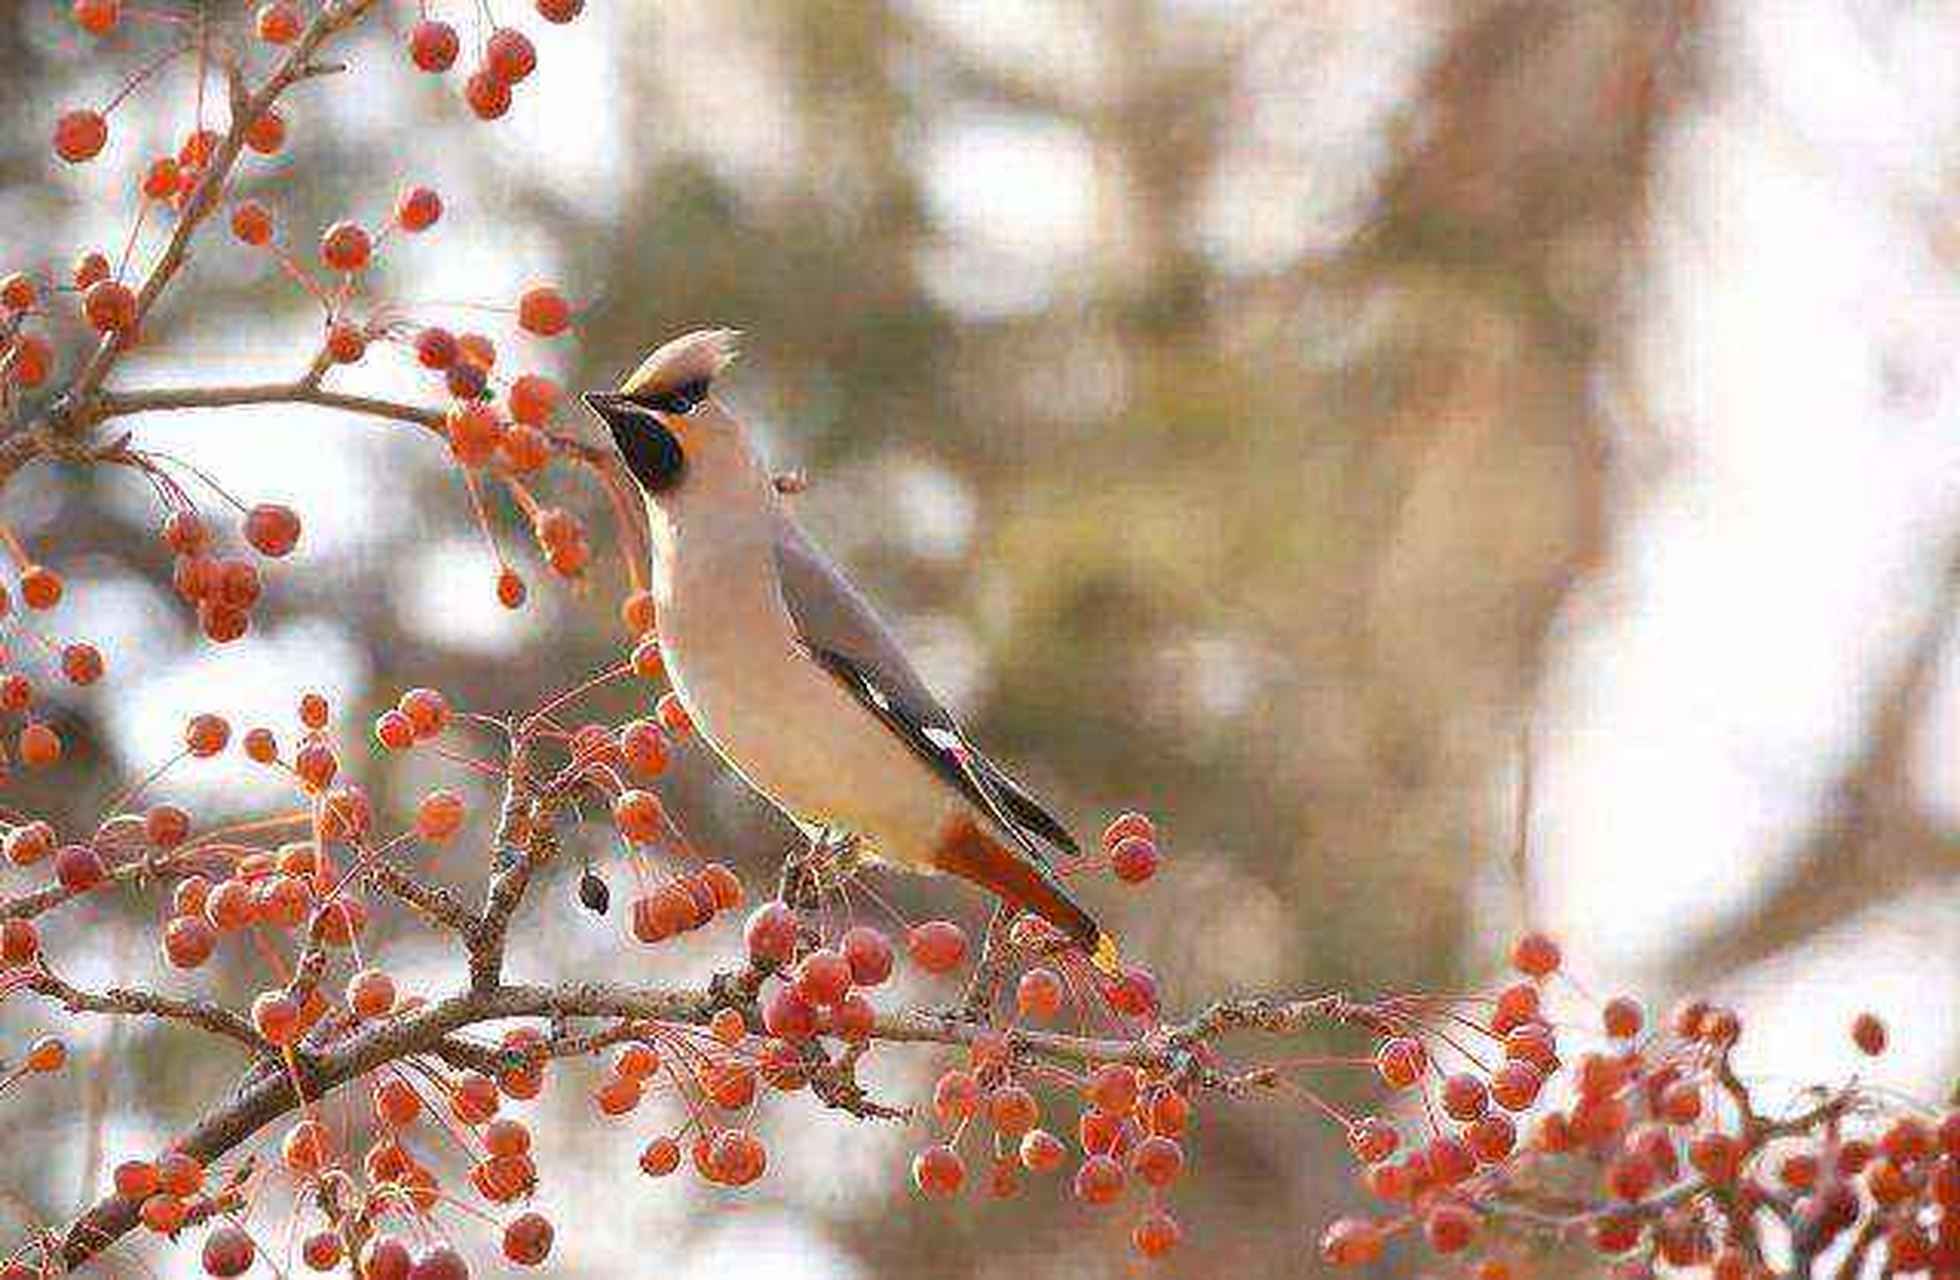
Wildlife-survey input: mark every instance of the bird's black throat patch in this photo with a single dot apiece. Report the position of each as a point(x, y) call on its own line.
point(650, 450)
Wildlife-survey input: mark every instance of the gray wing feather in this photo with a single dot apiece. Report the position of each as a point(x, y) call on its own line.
point(839, 626)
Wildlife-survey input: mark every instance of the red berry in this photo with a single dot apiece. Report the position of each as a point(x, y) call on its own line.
point(488, 96)
point(1623, 1017)
point(188, 941)
point(1350, 1242)
point(532, 399)
point(110, 307)
point(427, 711)
point(560, 10)
point(1038, 995)
point(272, 528)
point(433, 45)
point(938, 1172)
point(771, 934)
point(80, 135)
point(79, 868)
point(1099, 1181)
point(1157, 1160)
point(527, 1240)
point(1156, 1235)
point(417, 208)
point(1868, 1033)
point(474, 432)
point(18, 291)
point(278, 22)
point(937, 946)
point(228, 1251)
point(509, 56)
point(1401, 1062)
point(869, 954)
point(97, 17)
point(346, 246)
point(81, 663)
point(1535, 955)
point(823, 977)
point(1134, 859)
point(788, 1016)
point(267, 132)
point(20, 942)
point(1449, 1228)
point(1464, 1097)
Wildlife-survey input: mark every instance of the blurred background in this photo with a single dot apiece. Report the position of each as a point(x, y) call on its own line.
point(1287, 418)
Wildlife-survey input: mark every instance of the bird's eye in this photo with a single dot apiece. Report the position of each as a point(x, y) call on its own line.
point(681, 400)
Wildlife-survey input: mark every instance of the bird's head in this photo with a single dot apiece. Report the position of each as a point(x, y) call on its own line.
point(662, 415)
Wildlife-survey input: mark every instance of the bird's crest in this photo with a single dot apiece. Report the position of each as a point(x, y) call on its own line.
point(691, 360)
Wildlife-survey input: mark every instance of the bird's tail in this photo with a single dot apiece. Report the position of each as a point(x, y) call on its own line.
point(972, 853)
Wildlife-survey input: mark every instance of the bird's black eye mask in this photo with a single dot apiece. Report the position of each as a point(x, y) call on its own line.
point(651, 452)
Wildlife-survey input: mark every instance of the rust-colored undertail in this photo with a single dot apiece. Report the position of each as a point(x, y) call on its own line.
point(967, 850)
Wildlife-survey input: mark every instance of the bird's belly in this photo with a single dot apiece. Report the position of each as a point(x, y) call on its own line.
point(798, 737)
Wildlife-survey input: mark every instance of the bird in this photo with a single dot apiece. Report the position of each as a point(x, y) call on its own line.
point(790, 675)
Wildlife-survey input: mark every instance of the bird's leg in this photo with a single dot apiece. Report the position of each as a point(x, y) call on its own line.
point(991, 970)
point(830, 859)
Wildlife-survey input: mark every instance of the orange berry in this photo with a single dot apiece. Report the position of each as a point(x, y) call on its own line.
point(427, 711)
point(89, 268)
point(80, 135)
point(435, 347)
point(639, 816)
point(474, 432)
point(533, 398)
point(476, 349)
point(39, 745)
point(371, 994)
point(439, 816)
point(672, 714)
point(109, 306)
point(261, 747)
point(542, 310)
point(525, 448)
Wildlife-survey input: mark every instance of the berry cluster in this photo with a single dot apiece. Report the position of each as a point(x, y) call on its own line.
point(1647, 1145)
point(499, 424)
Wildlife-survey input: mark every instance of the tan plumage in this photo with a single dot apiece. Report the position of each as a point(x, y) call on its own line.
point(789, 672)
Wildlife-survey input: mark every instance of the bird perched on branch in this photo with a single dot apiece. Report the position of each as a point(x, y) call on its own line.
point(792, 677)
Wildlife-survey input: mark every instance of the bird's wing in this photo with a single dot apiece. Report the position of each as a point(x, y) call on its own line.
point(845, 635)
